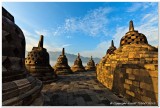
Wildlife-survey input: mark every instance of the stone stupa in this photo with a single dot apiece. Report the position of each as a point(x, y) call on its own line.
point(78, 66)
point(37, 63)
point(131, 71)
point(62, 67)
point(90, 65)
point(18, 86)
point(111, 49)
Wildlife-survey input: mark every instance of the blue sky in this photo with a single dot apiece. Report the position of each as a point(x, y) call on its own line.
point(87, 28)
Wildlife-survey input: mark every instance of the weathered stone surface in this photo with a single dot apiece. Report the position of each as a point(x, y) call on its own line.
point(130, 93)
point(81, 89)
point(37, 63)
point(78, 66)
point(62, 67)
point(111, 49)
point(18, 86)
point(132, 70)
point(90, 65)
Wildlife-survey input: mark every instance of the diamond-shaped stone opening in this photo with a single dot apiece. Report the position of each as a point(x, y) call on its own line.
point(16, 52)
point(6, 63)
point(9, 37)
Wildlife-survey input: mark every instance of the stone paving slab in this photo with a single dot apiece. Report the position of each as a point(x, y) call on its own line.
point(81, 89)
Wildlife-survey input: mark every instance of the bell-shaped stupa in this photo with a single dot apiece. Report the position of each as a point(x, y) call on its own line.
point(18, 86)
point(90, 65)
point(111, 48)
point(78, 66)
point(62, 67)
point(131, 71)
point(37, 63)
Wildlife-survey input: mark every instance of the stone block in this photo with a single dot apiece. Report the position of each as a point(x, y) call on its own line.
point(107, 64)
point(156, 95)
point(80, 101)
point(129, 70)
point(145, 86)
point(151, 95)
point(136, 71)
point(149, 59)
point(145, 99)
point(150, 66)
point(146, 79)
point(128, 81)
point(155, 59)
point(155, 55)
point(138, 78)
point(139, 92)
point(146, 55)
point(155, 85)
point(130, 93)
point(143, 72)
point(131, 55)
point(126, 86)
point(21, 82)
point(156, 66)
point(131, 77)
point(136, 83)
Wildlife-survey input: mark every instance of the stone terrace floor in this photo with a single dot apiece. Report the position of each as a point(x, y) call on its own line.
point(80, 89)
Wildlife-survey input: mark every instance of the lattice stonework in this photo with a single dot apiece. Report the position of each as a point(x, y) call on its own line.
point(133, 37)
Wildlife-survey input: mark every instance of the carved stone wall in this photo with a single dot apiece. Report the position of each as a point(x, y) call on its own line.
point(131, 72)
point(18, 87)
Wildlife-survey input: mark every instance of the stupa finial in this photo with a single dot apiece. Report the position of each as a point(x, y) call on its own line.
point(63, 51)
point(78, 55)
point(131, 26)
point(40, 44)
point(112, 44)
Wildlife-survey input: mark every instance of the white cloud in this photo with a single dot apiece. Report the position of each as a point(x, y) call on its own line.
point(54, 47)
point(134, 7)
point(146, 16)
point(148, 25)
point(94, 23)
point(99, 51)
point(120, 32)
point(30, 40)
point(42, 32)
point(140, 6)
point(33, 39)
point(66, 45)
point(68, 37)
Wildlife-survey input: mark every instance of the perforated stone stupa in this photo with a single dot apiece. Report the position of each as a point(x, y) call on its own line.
point(131, 71)
point(18, 86)
point(78, 66)
point(37, 63)
point(90, 65)
point(111, 48)
point(62, 67)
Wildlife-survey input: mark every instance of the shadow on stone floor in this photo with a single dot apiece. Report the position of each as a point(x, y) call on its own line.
point(63, 98)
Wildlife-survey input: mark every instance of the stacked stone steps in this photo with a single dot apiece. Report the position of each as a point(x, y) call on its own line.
point(18, 90)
